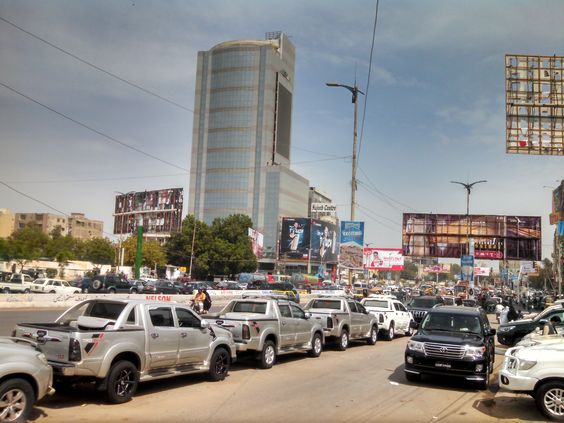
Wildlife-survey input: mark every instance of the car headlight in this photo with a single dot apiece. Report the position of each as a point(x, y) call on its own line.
point(474, 352)
point(41, 357)
point(526, 364)
point(506, 328)
point(415, 346)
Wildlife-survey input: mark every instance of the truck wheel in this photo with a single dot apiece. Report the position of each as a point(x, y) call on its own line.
point(343, 340)
point(6, 290)
point(412, 377)
point(26, 291)
point(112, 291)
point(316, 346)
point(219, 364)
point(549, 398)
point(373, 335)
point(134, 290)
point(122, 382)
point(96, 285)
point(52, 292)
point(16, 400)
point(391, 332)
point(267, 356)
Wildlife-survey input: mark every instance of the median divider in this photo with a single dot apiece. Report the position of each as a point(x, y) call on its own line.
point(42, 301)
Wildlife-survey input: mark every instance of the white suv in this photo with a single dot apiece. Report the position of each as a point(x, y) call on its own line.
point(538, 371)
point(391, 314)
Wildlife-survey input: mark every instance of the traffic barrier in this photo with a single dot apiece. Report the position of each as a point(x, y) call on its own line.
point(13, 301)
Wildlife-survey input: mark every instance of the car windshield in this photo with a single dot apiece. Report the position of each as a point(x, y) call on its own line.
point(423, 302)
point(376, 303)
point(333, 305)
point(451, 322)
point(249, 307)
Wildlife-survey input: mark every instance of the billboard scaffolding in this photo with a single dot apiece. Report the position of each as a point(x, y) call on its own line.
point(495, 237)
point(159, 212)
point(534, 104)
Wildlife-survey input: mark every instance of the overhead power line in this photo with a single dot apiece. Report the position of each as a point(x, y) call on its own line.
point(364, 211)
point(117, 178)
point(368, 80)
point(375, 188)
point(42, 202)
point(98, 68)
point(138, 150)
point(322, 160)
point(380, 216)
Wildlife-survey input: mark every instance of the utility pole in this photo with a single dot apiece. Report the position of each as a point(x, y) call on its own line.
point(192, 249)
point(354, 91)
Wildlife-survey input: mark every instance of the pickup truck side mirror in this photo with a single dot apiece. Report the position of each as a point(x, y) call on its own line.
point(492, 332)
point(204, 324)
point(307, 315)
point(413, 324)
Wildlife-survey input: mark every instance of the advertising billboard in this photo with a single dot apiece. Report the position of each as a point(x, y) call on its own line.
point(257, 242)
point(437, 268)
point(159, 212)
point(383, 259)
point(534, 104)
point(324, 241)
point(482, 271)
point(467, 268)
point(557, 214)
point(495, 237)
point(295, 238)
point(352, 243)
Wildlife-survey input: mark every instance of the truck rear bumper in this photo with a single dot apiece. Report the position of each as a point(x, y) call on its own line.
point(63, 369)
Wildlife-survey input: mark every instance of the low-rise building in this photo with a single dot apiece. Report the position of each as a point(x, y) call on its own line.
point(82, 228)
point(46, 221)
point(7, 223)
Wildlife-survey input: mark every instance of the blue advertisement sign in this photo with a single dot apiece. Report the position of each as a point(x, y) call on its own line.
point(560, 228)
point(467, 266)
point(352, 244)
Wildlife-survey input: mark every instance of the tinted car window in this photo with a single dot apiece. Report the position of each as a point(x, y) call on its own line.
point(107, 310)
point(333, 305)
point(352, 306)
point(162, 317)
point(376, 303)
point(297, 312)
point(186, 319)
point(285, 310)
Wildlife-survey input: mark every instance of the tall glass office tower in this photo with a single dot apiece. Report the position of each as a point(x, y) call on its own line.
point(242, 135)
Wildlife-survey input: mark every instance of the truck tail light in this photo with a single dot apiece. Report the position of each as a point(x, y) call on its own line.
point(329, 322)
point(246, 332)
point(74, 350)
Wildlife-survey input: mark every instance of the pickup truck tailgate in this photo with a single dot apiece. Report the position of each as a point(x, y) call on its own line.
point(53, 340)
point(234, 323)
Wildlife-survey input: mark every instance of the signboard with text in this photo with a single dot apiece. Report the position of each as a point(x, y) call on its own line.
point(383, 259)
point(352, 242)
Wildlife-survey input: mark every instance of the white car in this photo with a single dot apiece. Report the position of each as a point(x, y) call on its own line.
point(391, 314)
point(538, 371)
point(57, 286)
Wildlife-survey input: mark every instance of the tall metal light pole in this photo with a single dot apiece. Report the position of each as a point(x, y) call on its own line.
point(355, 91)
point(468, 187)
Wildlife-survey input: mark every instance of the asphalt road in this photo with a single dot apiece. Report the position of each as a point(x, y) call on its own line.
point(364, 383)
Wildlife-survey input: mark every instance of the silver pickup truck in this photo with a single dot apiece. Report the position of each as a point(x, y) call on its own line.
point(343, 319)
point(270, 327)
point(119, 343)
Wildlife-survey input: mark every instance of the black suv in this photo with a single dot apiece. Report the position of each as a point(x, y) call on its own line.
point(111, 284)
point(419, 306)
point(511, 333)
point(452, 341)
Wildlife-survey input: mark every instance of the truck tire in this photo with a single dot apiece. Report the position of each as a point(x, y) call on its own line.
point(316, 346)
point(123, 380)
point(373, 335)
point(267, 356)
point(6, 290)
point(547, 398)
point(409, 330)
point(112, 290)
point(219, 364)
point(26, 291)
point(485, 384)
point(390, 333)
point(134, 290)
point(16, 400)
point(343, 340)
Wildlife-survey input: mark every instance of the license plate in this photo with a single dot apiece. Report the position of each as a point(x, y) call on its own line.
point(442, 365)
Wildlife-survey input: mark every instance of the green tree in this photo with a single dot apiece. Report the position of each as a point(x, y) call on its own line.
point(153, 253)
point(232, 251)
point(26, 244)
point(409, 271)
point(179, 247)
point(545, 275)
point(98, 251)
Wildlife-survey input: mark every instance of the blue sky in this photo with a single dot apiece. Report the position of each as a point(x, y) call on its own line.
point(435, 110)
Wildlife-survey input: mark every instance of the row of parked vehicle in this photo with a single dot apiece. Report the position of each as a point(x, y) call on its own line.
point(118, 343)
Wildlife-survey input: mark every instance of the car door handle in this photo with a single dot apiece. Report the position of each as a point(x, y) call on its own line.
point(154, 335)
point(283, 323)
point(184, 334)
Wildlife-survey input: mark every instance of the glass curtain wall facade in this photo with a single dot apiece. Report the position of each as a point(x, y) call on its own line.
point(241, 131)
